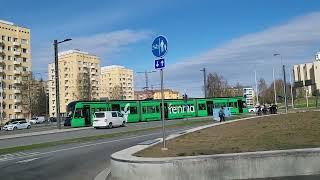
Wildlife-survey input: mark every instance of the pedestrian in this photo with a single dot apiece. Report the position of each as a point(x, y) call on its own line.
point(221, 114)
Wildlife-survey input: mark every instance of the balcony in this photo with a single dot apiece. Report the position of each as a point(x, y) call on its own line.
point(16, 62)
point(17, 53)
point(17, 101)
point(17, 91)
point(16, 44)
point(17, 110)
point(17, 81)
point(2, 51)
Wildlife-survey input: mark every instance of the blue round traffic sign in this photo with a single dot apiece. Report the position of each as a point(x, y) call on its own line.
point(160, 46)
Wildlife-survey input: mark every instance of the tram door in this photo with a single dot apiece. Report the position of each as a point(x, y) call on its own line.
point(210, 108)
point(86, 114)
point(165, 110)
point(240, 106)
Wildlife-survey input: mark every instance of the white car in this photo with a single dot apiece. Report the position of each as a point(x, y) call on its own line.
point(108, 119)
point(21, 124)
point(37, 120)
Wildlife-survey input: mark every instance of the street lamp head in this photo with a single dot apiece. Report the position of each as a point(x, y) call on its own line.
point(69, 39)
point(277, 54)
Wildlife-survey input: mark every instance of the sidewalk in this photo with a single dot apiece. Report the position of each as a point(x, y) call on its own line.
point(41, 133)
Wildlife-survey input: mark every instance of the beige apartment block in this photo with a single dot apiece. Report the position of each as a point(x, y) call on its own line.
point(303, 72)
point(15, 59)
point(78, 79)
point(116, 82)
point(168, 94)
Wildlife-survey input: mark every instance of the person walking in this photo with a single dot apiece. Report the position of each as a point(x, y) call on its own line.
point(221, 114)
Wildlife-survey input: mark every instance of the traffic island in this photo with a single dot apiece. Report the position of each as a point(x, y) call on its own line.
point(258, 147)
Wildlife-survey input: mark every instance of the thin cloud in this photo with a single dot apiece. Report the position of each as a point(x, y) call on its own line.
point(104, 45)
point(236, 60)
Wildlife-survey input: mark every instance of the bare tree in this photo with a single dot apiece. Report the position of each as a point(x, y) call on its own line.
point(84, 86)
point(33, 96)
point(263, 90)
point(116, 92)
point(216, 85)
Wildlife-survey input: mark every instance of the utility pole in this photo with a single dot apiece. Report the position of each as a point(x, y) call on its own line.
point(285, 88)
point(274, 88)
point(204, 82)
point(146, 76)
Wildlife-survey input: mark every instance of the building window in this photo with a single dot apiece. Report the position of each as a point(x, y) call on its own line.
point(24, 50)
point(9, 48)
point(24, 41)
point(9, 58)
point(24, 59)
point(3, 38)
point(9, 38)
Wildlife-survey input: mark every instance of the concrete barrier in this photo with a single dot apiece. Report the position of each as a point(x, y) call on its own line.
point(247, 165)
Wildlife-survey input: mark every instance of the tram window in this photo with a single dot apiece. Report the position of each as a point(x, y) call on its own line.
point(144, 110)
point(202, 106)
point(78, 113)
point(230, 104)
point(114, 114)
point(157, 109)
point(151, 109)
point(133, 110)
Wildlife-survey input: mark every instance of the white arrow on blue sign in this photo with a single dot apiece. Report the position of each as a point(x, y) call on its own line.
point(159, 63)
point(159, 46)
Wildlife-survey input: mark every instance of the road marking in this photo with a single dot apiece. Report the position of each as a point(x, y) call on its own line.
point(71, 148)
point(27, 160)
point(103, 174)
point(33, 154)
point(7, 157)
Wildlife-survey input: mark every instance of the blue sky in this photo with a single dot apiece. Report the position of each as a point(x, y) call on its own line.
point(233, 38)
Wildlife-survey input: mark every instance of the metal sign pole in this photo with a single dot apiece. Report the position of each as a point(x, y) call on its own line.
point(162, 109)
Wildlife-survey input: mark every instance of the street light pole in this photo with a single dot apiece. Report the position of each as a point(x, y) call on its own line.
point(284, 82)
point(55, 44)
point(204, 82)
point(274, 87)
point(56, 61)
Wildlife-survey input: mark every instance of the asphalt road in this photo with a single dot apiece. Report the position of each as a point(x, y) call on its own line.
point(72, 161)
point(5, 143)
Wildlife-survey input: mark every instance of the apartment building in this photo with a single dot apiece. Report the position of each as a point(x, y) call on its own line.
point(248, 92)
point(78, 79)
point(167, 93)
point(15, 59)
point(305, 73)
point(116, 82)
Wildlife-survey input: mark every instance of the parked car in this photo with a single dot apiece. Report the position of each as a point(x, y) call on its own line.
point(14, 125)
point(108, 119)
point(37, 120)
point(52, 119)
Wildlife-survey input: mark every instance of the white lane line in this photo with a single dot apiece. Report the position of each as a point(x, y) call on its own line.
point(76, 147)
point(27, 160)
point(103, 174)
point(82, 146)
